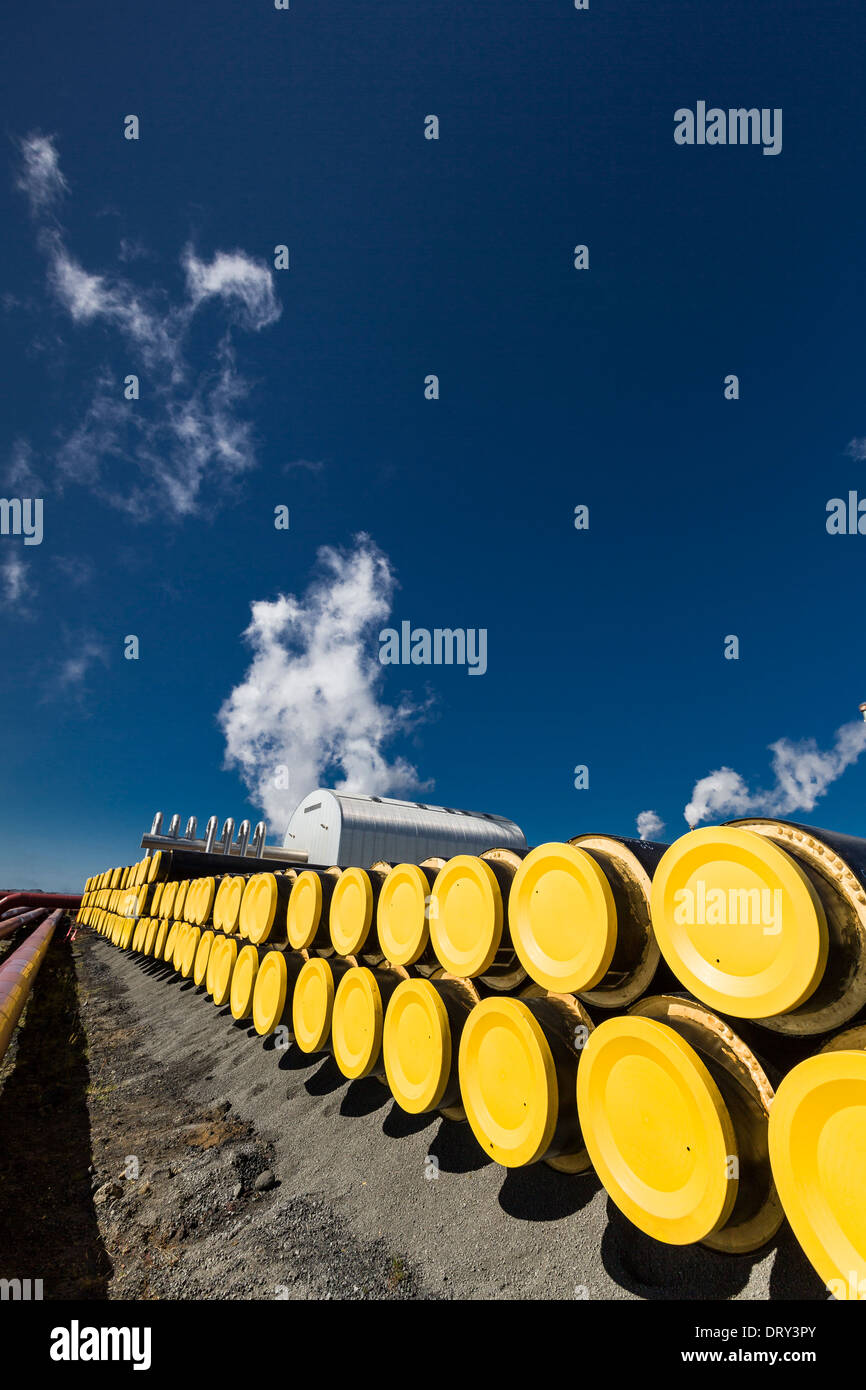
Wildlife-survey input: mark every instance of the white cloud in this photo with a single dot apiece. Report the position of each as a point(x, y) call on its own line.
point(234, 277)
point(649, 825)
point(802, 772)
point(186, 434)
point(76, 569)
point(74, 669)
point(304, 466)
point(311, 698)
point(196, 444)
point(857, 449)
point(153, 328)
point(20, 475)
point(40, 177)
point(16, 583)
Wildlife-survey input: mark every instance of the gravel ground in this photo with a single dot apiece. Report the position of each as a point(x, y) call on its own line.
point(260, 1173)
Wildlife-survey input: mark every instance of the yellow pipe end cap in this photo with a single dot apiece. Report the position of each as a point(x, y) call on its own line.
point(818, 1157)
point(562, 917)
point(657, 1130)
point(171, 938)
point(466, 916)
point(351, 911)
point(402, 917)
point(258, 907)
point(357, 1023)
point(739, 922)
point(219, 900)
point(177, 949)
point(202, 956)
point(244, 982)
point(189, 902)
point(224, 965)
point(227, 906)
point(190, 949)
point(508, 1082)
point(312, 1005)
point(416, 1046)
point(304, 910)
point(204, 900)
point(269, 997)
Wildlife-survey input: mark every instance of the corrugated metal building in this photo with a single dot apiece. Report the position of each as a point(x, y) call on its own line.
point(342, 828)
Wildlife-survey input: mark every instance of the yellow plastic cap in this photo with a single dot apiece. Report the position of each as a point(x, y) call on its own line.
point(657, 1130)
point(244, 982)
point(401, 916)
point(312, 1005)
point(818, 1156)
point(258, 907)
point(219, 899)
point(180, 897)
point(173, 945)
point(204, 900)
point(231, 908)
point(304, 910)
point(190, 948)
point(202, 956)
point(189, 902)
point(739, 922)
point(357, 1023)
point(562, 918)
point(351, 911)
point(213, 957)
point(223, 967)
point(466, 916)
point(508, 1082)
point(269, 997)
point(416, 1046)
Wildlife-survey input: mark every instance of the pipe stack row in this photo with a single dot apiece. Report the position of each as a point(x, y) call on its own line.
point(688, 1020)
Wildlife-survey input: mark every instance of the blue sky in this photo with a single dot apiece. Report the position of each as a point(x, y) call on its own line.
point(305, 388)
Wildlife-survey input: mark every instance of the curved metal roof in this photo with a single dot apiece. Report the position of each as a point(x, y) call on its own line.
point(350, 828)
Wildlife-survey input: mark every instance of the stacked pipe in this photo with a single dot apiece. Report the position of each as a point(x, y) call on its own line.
point(18, 970)
point(599, 1003)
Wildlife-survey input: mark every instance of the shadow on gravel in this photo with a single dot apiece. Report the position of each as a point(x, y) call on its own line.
point(399, 1124)
point(457, 1149)
point(656, 1271)
point(326, 1080)
point(538, 1193)
point(792, 1275)
point(363, 1097)
point(48, 1227)
point(293, 1059)
point(158, 971)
